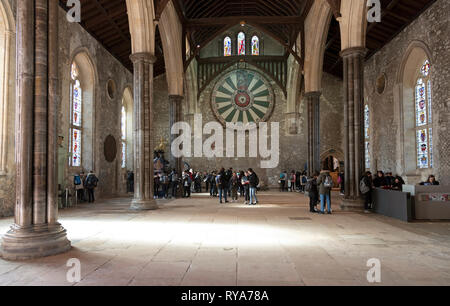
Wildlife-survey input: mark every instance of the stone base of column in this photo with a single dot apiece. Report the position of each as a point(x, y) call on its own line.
point(352, 204)
point(144, 205)
point(34, 242)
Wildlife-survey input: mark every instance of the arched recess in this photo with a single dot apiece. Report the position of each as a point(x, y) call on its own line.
point(7, 84)
point(353, 23)
point(171, 37)
point(316, 28)
point(127, 103)
point(141, 14)
point(409, 70)
point(87, 76)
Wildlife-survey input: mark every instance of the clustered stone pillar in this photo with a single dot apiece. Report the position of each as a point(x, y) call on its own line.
point(36, 232)
point(353, 59)
point(143, 131)
point(175, 105)
point(313, 104)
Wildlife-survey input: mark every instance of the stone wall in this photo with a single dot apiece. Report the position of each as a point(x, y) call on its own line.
point(73, 39)
point(293, 148)
point(387, 109)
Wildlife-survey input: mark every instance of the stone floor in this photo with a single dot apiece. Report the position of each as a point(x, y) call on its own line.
point(199, 242)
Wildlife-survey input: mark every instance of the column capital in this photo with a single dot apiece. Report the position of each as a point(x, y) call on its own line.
point(176, 98)
point(143, 56)
point(313, 94)
point(353, 51)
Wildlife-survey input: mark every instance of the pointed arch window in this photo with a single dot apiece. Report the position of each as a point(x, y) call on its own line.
point(123, 127)
point(423, 114)
point(241, 43)
point(255, 45)
point(227, 46)
point(76, 127)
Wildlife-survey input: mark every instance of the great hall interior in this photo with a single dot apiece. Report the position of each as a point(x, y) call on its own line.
point(341, 87)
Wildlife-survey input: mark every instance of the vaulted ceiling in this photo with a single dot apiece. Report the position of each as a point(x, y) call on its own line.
point(203, 20)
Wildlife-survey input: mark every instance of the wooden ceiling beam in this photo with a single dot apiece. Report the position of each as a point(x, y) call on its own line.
point(212, 21)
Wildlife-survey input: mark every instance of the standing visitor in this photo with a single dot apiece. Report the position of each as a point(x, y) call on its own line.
point(234, 187)
point(325, 183)
point(223, 184)
point(246, 187)
point(282, 181)
point(213, 184)
point(79, 187)
point(174, 183)
point(304, 180)
point(164, 185)
point(292, 181)
point(366, 187)
point(341, 182)
point(91, 184)
point(313, 192)
point(130, 182)
point(186, 184)
point(206, 181)
point(254, 182)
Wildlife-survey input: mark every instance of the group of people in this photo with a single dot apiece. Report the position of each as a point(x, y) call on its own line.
point(294, 181)
point(388, 181)
point(224, 184)
point(85, 186)
point(234, 184)
point(318, 188)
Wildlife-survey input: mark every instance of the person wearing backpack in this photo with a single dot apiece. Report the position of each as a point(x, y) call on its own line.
point(79, 188)
point(90, 185)
point(325, 183)
point(254, 182)
point(366, 187)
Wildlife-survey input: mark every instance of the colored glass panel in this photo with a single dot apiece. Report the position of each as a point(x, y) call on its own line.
point(227, 46)
point(241, 43)
point(76, 148)
point(255, 45)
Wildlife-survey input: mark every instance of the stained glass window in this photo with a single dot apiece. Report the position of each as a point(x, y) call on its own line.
point(227, 46)
point(255, 45)
point(423, 106)
point(367, 135)
point(76, 119)
point(241, 43)
point(123, 127)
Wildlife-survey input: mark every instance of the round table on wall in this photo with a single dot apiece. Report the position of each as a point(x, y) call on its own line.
point(242, 95)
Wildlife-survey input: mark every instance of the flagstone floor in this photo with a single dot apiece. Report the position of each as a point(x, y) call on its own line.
point(199, 242)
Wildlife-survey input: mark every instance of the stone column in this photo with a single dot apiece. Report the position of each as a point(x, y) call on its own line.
point(313, 104)
point(175, 105)
point(35, 232)
point(353, 59)
point(143, 123)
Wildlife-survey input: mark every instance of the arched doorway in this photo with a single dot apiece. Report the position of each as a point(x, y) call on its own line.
point(333, 161)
